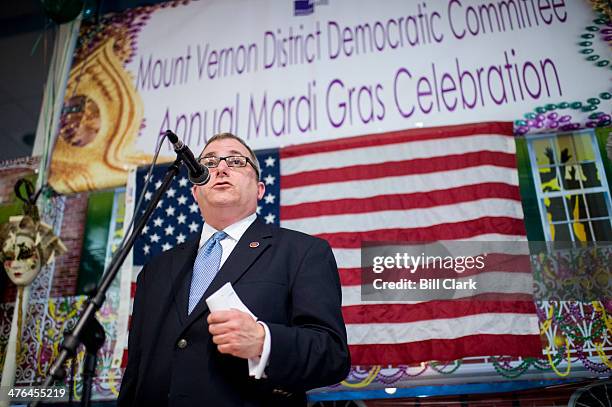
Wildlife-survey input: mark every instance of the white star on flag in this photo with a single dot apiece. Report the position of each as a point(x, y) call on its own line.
point(193, 227)
point(269, 180)
point(270, 218)
point(154, 238)
point(158, 222)
point(183, 182)
point(269, 198)
point(160, 203)
point(166, 246)
point(146, 248)
point(170, 211)
point(180, 238)
point(193, 207)
point(182, 200)
point(169, 230)
point(270, 161)
point(158, 184)
point(181, 218)
point(170, 193)
point(258, 209)
point(145, 230)
point(148, 195)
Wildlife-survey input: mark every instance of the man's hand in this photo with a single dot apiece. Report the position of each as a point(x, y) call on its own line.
point(236, 333)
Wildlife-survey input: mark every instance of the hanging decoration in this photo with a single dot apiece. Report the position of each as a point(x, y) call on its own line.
point(26, 245)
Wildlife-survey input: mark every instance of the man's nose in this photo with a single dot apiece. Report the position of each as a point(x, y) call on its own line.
point(222, 167)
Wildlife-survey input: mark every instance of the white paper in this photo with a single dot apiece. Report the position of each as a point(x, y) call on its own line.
point(225, 298)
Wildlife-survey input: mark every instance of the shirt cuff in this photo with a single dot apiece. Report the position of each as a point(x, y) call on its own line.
point(259, 363)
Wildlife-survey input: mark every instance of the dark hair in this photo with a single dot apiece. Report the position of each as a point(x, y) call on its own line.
point(223, 136)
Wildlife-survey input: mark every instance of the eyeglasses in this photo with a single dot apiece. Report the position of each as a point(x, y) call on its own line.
point(231, 161)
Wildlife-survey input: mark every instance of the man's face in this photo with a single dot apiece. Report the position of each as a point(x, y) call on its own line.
point(229, 187)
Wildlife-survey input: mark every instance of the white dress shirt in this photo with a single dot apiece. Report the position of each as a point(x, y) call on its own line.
point(234, 233)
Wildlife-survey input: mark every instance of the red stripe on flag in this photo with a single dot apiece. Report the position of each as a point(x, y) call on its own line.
point(446, 349)
point(124, 359)
point(350, 276)
point(444, 231)
point(401, 201)
point(132, 289)
point(395, 137)
point(403, 313)
point(398, 168)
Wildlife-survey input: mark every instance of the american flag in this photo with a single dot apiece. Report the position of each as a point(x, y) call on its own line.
point(446, 183)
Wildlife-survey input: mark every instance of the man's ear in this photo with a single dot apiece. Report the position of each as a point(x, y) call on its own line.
point(261, 190)
point(193, 193)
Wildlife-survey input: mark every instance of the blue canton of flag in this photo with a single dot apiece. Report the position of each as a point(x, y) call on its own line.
point(177, 216)
point(268, 209)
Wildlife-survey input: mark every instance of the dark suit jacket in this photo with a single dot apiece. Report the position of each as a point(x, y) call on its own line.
point(290, 281)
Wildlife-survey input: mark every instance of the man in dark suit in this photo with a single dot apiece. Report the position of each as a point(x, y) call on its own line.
point(181, 354)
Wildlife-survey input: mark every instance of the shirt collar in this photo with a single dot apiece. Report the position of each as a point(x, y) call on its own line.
point(234, 231)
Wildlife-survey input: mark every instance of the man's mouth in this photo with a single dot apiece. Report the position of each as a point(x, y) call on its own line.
point(222, 184)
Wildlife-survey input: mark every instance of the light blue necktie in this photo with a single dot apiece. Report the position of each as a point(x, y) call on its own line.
point(205, 268)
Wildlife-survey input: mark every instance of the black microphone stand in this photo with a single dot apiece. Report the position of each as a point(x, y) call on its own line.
point(93, 339)
point(87, 329)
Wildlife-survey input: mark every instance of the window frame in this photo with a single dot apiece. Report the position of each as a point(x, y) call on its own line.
point(582, 192)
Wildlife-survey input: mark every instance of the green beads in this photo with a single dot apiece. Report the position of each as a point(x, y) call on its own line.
point(550, 106)
point(597, 60)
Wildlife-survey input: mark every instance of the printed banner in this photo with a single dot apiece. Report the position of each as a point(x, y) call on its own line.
point(285, 73)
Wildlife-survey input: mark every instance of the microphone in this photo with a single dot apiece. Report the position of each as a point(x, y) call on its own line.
point(198, 174)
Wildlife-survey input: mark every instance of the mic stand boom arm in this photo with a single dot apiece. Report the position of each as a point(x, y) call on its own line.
point(73, 339)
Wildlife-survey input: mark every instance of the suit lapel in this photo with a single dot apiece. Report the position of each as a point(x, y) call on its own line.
point(238, 262)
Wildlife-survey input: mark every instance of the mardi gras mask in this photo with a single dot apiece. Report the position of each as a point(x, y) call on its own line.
point(26, 247)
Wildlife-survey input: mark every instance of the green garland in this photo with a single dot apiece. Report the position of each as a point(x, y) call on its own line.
point(511, 372)
point(434, 365)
